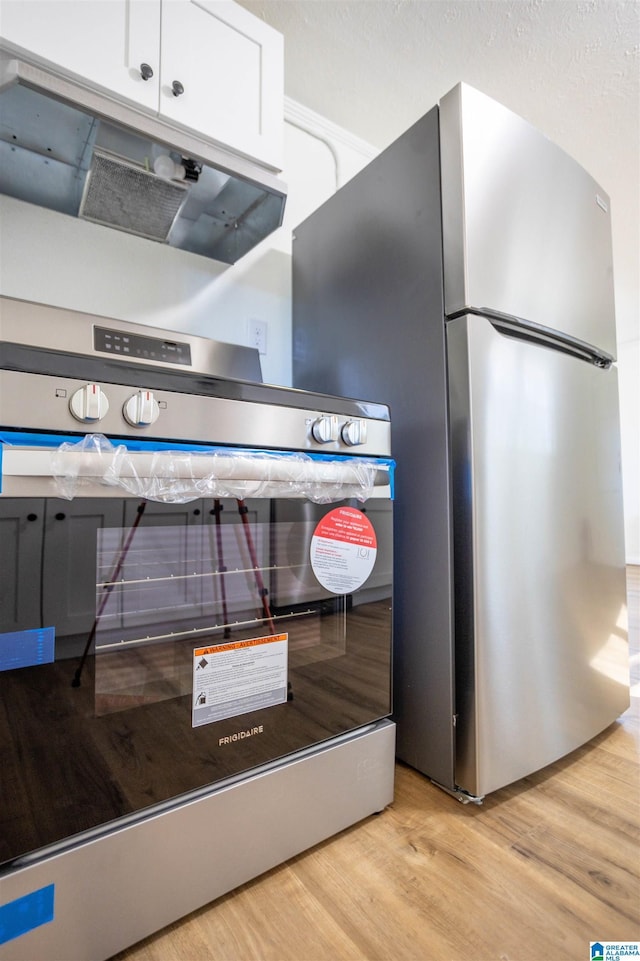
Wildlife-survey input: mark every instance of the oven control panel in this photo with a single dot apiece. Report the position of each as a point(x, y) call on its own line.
point(46, 328)
point(124, 343)
point(89, 405)
point(46, 402)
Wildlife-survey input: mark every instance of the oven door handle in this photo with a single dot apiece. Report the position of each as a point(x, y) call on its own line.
point(181, 476)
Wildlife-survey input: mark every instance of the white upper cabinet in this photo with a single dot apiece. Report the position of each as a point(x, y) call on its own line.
point(231, 66)
point(206, 65)
point(103, 42)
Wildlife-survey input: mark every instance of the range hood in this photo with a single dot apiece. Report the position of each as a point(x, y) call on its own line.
point(81, 153)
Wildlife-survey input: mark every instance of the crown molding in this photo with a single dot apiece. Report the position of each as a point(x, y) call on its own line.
point(304, 118)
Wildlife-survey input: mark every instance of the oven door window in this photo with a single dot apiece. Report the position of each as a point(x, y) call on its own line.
point(149, 650)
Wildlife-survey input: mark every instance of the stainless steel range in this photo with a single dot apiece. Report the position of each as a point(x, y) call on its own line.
point(195, 625)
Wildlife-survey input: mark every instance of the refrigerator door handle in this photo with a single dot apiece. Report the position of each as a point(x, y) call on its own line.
point(523, 329)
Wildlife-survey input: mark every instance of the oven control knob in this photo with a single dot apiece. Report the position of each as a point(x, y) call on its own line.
point(325, 429)
point(89, 404)
point(141, 410)
point(354, 432)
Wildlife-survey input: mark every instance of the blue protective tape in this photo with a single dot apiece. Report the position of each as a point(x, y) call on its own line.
point(24, 439)
point(26, 913)
point(27, 648)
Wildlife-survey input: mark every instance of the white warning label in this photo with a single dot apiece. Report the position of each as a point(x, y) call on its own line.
point(238, 677)
point(343, 550)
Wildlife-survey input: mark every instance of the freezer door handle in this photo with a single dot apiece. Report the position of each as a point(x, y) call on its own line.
point(522, 329)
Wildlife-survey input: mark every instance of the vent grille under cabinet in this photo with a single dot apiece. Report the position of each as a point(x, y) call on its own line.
point(119, 194)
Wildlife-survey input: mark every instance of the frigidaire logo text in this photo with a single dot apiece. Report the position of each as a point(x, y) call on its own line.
point(240, 735)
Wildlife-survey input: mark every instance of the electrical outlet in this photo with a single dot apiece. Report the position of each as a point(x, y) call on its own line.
point(257, 334)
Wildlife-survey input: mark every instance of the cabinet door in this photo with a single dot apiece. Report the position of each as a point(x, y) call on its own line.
point(103, 42)
point(230, 65)
point(69, 561)
point(21, 523)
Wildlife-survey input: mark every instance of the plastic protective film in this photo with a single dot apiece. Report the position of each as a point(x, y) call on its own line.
point(182, 475)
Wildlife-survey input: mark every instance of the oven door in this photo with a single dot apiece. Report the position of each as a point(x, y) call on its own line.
point(150, 649)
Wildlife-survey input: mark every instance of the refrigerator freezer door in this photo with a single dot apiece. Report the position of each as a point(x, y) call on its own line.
point(541, 644)
point(526, 231)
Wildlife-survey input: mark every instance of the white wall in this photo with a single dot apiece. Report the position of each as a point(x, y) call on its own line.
point(629, 380)
point(51, 258)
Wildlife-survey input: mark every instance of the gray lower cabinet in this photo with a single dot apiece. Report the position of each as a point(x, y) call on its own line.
point(69, 561)
point(178, 564)
point(21, 528)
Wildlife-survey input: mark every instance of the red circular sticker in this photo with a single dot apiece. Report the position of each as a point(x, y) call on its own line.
point(343, 550)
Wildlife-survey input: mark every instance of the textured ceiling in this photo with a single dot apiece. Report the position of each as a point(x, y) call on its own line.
point(571, 67)
point(374, 67)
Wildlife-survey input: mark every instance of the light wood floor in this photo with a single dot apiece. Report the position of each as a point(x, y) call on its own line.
point(542, 868)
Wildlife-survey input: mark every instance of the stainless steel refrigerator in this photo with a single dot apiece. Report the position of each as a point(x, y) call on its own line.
point(465, 278)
